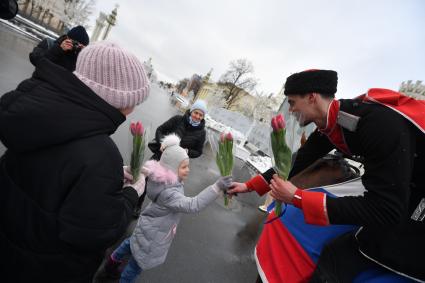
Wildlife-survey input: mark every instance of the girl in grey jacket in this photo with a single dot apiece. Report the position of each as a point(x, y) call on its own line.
point(149, 244)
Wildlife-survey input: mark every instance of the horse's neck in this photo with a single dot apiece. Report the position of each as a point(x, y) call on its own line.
point(320, 178)
point(328, 173)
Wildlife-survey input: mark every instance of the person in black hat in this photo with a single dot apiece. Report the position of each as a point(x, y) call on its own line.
point(8, 9)
point(62, 51)
point(386, 129)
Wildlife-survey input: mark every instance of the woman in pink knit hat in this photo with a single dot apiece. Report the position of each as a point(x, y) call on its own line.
point(63, 199)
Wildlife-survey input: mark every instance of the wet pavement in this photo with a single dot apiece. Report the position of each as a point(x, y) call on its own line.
point(215, 245)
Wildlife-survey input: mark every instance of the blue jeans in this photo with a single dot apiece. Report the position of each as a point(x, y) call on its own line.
point(131, 270)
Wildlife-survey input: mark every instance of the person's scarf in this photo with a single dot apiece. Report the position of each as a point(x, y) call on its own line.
point(194, 123)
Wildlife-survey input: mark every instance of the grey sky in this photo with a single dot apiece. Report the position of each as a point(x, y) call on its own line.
point(370, 43)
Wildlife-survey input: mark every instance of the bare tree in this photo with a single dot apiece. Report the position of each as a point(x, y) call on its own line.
point(77, 12)
point(237, 78)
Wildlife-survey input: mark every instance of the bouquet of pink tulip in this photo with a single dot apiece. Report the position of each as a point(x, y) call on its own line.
point(224, 158)
point(138, 152)
point(282, 154)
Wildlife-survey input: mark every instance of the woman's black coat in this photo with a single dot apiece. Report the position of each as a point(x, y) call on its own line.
point(61, 201)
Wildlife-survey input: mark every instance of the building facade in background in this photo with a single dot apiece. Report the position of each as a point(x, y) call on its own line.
point(57, 16)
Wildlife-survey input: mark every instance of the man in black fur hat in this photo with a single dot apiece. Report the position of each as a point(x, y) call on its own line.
point(387, 130)
point(62, 51)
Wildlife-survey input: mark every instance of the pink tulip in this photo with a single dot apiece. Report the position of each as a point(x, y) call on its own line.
point(229, 136)
point(133, 128)
point(139, 129)
point(222, 137)
point(275, 125)
point(280, 121)
point(136, 129)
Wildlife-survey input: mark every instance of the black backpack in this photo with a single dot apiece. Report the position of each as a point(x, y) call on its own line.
point(8, 9)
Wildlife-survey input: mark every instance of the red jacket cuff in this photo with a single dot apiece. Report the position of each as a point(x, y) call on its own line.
point(297, 200)
point(258, 184)
point(314, 208)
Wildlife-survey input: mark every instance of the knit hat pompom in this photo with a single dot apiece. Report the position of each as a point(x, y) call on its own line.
point(112, 73)
point(170, 140)
point(172, 153)
point(319, 81)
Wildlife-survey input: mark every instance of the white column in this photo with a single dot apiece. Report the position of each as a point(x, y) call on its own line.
point(100, 24)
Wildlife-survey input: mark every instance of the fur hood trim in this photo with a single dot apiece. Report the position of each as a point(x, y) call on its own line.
point(160, 174)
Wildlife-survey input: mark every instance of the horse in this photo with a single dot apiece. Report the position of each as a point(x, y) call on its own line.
point(288, 250)
point(329, 170)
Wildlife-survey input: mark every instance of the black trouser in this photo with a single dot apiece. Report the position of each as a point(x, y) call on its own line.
point(340, 261)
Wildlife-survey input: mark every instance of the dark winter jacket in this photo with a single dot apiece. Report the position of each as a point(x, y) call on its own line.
point(61, 201)
point(50, 49)
point(394, 157)
point(192, 138)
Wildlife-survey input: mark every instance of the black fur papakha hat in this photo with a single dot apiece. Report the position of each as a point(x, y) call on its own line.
point(319, 81)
